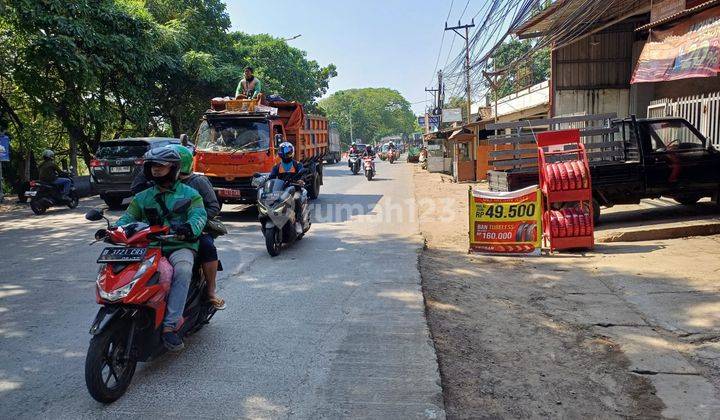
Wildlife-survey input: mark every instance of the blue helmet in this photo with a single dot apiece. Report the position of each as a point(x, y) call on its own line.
point(286, 151)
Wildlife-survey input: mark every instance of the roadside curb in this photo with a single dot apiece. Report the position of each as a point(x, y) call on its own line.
point(668, 232)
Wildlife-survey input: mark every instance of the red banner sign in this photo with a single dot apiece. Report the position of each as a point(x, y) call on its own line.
point(690, 49)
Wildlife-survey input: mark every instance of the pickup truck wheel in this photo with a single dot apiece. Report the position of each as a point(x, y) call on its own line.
point(596, 212)
point(687, 200)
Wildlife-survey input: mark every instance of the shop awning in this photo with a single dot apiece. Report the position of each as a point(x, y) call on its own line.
point(687, 50)
point(462, 134)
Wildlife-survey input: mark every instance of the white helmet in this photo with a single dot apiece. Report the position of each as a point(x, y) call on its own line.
point(48, 154)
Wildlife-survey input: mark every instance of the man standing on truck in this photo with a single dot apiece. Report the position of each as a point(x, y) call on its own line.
point(250, 87)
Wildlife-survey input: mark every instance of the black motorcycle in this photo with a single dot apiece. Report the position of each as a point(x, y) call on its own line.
point(277, 212)
point(44, 195)
point(354, 163)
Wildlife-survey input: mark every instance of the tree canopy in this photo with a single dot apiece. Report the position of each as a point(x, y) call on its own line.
point(80, 71)
point(375, 112)
point(523, 72)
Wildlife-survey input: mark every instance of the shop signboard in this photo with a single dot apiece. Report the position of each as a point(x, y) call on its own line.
point(506, 222)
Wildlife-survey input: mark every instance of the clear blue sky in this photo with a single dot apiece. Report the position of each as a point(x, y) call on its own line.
point(374, 43)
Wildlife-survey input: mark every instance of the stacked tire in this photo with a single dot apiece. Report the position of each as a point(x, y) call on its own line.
point(567, 176)
point(570, 222)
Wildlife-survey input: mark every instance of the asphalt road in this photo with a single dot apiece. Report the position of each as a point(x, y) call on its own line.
point(334, 327)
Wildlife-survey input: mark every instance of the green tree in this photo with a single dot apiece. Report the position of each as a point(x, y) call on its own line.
point(83, 63)
point(285, 70)
point(522, 72)
point(376, 112)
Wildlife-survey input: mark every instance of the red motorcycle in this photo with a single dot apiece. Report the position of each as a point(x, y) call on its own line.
point(132, 286)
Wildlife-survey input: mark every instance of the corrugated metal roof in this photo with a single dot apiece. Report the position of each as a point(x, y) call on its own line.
point(562, 10)
point(678, 15)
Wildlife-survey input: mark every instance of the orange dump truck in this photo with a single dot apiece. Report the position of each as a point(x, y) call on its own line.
point(238, 138)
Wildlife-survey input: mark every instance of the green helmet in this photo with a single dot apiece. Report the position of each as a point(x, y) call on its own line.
point(186, 158)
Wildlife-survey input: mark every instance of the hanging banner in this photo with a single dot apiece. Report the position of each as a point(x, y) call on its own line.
point(4, 149)
point(689, 49)
point(506, 222)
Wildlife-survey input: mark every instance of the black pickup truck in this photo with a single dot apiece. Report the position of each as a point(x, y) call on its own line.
point(662, 157)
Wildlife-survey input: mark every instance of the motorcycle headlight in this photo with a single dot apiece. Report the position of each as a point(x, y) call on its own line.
point(262, 208)
point(121, 292)
point(116, 294)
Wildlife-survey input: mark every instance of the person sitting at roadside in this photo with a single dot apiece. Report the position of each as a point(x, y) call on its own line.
point(250, 87)
point(50, 173)
point(162, 166)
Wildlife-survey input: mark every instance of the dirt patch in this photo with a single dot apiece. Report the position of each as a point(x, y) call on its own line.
point(503, 330)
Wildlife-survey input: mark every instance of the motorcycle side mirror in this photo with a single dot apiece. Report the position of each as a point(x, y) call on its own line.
point(184, 139)
point(94, 215)
point(182, 206)
point(278, 139)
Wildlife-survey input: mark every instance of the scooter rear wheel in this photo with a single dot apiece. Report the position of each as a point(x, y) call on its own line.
point(37, 207)
point(107, 373)
point(273, 241)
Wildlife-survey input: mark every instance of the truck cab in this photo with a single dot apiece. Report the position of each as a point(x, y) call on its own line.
point(235, 141)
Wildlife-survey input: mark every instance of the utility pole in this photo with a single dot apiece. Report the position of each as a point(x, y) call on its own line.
point(436, 96)
point(466, 37)
point(351, 127)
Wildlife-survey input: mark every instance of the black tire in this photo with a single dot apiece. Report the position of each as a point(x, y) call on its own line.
point(113, 203)
point(369, 175)
point(687, 200)
point(273, 241)
point(355, 170)
point(596, 212)
point(74, 200)
point(108, 345)
point(314, 189)
point(37, 206)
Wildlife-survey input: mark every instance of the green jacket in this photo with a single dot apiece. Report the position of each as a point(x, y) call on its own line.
point(195, 216)
point(48, 171)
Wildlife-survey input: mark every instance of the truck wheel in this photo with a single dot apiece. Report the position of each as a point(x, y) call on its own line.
point(314, 189)
point(687, 200)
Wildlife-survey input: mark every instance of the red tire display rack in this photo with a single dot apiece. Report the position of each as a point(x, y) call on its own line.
point(567, 190)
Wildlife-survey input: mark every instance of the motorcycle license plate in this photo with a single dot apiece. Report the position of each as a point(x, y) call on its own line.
point(119, 169)
point(30, 193)
point(121, 255)
point(228, 193)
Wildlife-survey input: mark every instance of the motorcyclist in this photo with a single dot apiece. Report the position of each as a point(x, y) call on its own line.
point(290, 170)
point(162, 166)
point(352, 151)
point(207, 252)
point(50, 173)
point(369, 152)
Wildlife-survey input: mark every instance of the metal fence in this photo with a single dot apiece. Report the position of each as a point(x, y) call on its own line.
point(702, 111)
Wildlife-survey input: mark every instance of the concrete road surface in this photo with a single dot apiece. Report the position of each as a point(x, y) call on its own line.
point(334, 327)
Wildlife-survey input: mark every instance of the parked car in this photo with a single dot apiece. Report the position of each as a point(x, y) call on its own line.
point(663, 157)
point(117, 162)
